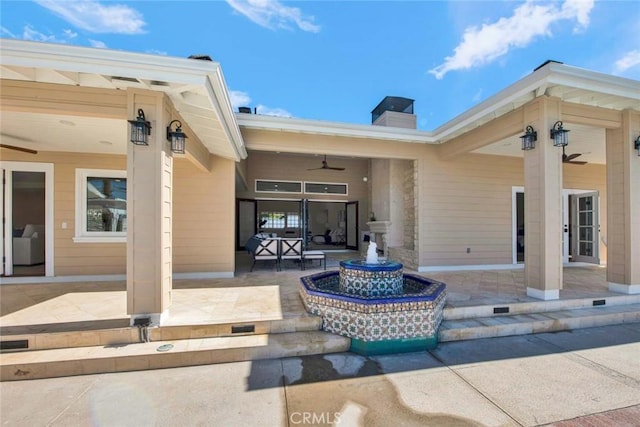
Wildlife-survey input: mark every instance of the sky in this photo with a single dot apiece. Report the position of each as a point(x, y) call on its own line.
point(336, 60)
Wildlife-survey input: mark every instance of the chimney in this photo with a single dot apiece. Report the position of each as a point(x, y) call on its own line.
point(394, 111)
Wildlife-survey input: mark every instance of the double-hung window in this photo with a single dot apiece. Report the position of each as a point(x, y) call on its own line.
point(101, 205)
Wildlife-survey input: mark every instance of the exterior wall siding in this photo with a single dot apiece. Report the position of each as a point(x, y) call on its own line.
point(203, 216)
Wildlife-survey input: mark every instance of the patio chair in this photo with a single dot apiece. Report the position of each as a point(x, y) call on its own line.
point(291, 249)
point(267, 250)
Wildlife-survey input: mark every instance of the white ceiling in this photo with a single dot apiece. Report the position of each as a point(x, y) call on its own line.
point(587, 140)
point(54, 132)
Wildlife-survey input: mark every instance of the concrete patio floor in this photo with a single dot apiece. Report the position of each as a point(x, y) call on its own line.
point(262, 295)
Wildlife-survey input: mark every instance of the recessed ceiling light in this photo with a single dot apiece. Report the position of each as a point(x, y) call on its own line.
point(67, 122)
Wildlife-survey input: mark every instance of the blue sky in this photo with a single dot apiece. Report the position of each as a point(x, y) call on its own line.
point(335, 60)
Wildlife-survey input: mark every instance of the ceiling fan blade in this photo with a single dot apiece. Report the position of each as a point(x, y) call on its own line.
point(573, 156)
point(577, 162)
point(315, 169)
point(24, 150)
point(335, 169)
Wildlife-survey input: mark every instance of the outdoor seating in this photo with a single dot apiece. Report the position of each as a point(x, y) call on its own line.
point(313, 255)
point(266, 250)
point(291, 249)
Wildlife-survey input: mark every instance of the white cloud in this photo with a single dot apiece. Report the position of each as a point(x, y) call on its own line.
point(95, 17)
point(629, 60)
point(30, 33)
point(70, 34)
point(272, 14)
point(6, 32)
point(278, 112)
point(242, 99)
point(483, 45)
point(239, 99)
point(157, 52)
point(98, 44)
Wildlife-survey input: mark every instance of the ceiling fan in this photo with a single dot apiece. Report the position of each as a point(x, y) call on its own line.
point(13, 147)
point(569, 158)
point(325, 165)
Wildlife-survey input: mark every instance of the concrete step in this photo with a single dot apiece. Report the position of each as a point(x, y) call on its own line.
point(472, 312)
point(532, 323)
point(150, 355)
point(54, 336)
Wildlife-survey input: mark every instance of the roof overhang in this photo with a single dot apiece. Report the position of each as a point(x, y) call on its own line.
point(196, 88)
point(570, 84)
point(319, 127)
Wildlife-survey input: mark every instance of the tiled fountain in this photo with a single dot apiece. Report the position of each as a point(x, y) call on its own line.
point(375, 304)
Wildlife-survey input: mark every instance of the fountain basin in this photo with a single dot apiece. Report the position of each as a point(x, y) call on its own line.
point(377, 280)
point(407, 321)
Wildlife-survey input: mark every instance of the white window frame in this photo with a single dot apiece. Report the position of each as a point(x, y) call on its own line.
point(82, 235)
point(279, 192)
point(346, 187)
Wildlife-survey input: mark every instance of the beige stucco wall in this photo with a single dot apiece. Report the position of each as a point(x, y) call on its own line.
point(203, 216)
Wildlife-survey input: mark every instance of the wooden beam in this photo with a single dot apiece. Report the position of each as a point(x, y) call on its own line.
point(62, 99)
point(496, 130)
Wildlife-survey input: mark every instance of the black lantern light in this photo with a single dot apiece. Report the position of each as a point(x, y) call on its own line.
point(140, 129)
point(559, 135)
point(636, 144)
point(176, 137)
point(529, 138)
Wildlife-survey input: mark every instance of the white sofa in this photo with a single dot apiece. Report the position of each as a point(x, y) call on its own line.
point(29, 248)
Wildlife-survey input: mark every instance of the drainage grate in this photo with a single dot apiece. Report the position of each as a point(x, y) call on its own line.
point(243, 329)
point(500, 310)
point(14, 345)
point(599, 302)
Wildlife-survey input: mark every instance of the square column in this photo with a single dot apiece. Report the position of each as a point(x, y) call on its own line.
point(149, 206)
point(623, 204)
point(543, 204)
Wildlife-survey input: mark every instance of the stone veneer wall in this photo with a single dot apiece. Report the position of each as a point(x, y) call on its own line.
point(407, 254)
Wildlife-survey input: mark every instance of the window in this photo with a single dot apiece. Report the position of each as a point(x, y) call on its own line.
point(279, 220)
point(325, 188)
point(101, 205)
point(273, 186)
point(293, 220)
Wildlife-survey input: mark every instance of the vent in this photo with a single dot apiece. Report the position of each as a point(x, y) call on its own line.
point(500, 310)
point(246, 110)
point(14, 345)
point(201, 57)
point(597, 302)
point(244, 329)
point(125, 79)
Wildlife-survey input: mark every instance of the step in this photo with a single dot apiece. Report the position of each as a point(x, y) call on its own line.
point(472, 312)
point(533, 323)
point(54, 336)
point(188, 352)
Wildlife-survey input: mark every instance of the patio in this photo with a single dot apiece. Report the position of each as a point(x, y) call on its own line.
point(261, 295)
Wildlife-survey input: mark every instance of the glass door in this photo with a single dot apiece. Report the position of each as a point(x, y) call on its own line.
point(351, 225)
point(585, 233)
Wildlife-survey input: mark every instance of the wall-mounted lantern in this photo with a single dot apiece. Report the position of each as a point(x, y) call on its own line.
point(140, 129)
point(529, 138)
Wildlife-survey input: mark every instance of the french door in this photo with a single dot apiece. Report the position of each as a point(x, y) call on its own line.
point(585, 228)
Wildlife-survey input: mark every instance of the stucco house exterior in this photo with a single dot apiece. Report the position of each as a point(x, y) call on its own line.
point(463, 196)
